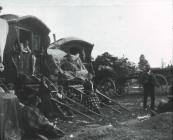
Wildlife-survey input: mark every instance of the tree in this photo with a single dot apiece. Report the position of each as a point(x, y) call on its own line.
point(143, 64)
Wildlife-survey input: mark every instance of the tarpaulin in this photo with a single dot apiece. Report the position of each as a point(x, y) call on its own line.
point(3, 36)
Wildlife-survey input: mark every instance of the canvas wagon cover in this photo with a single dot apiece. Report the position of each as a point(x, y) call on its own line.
point(3, 36)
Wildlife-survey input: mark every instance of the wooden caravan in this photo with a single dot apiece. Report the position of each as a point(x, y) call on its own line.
point(24, 31)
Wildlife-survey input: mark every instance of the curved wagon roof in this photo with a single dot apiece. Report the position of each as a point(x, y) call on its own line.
point(69, 42)
point(29, 19)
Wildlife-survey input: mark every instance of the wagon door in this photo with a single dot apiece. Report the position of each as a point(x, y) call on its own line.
point(36, 49)
point(25, 58)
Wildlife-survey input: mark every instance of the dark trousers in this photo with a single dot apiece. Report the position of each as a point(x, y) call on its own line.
point(149, 90)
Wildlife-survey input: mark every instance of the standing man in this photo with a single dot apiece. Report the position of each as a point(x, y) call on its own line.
point(149, 84)
point(148, 81)
point(3, 36)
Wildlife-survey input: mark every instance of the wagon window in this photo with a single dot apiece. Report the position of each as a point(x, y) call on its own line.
point(25, 35)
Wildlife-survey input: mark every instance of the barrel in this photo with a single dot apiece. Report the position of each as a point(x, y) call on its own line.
point(9, 117)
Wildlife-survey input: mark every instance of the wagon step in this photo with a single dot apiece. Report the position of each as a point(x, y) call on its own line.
point(60, 103)
point(98, 92)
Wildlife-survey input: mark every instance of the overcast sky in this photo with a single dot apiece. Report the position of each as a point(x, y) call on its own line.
point(121, 27)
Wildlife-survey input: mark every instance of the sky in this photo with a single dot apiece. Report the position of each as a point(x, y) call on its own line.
point(121, 27)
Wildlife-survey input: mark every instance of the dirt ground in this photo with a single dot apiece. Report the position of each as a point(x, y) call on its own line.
point(121, 126)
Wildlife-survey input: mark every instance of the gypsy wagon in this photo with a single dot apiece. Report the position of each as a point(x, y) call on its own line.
point(24, 29)
point(21, 65)
point(60, 49)
point(18, 62)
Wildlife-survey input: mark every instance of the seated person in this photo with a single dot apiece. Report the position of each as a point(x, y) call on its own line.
point(25, 47)
point(90, 99)
point(33, 123)
point(72, 67)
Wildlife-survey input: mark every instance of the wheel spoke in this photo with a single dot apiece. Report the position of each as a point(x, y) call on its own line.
point(107, 86)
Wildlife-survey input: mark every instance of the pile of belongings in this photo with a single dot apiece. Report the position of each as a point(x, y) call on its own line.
point(166, 105)
point(24, 121)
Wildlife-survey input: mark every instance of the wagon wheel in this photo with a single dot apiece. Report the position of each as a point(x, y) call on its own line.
point(163, 83)
point(107, 86)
